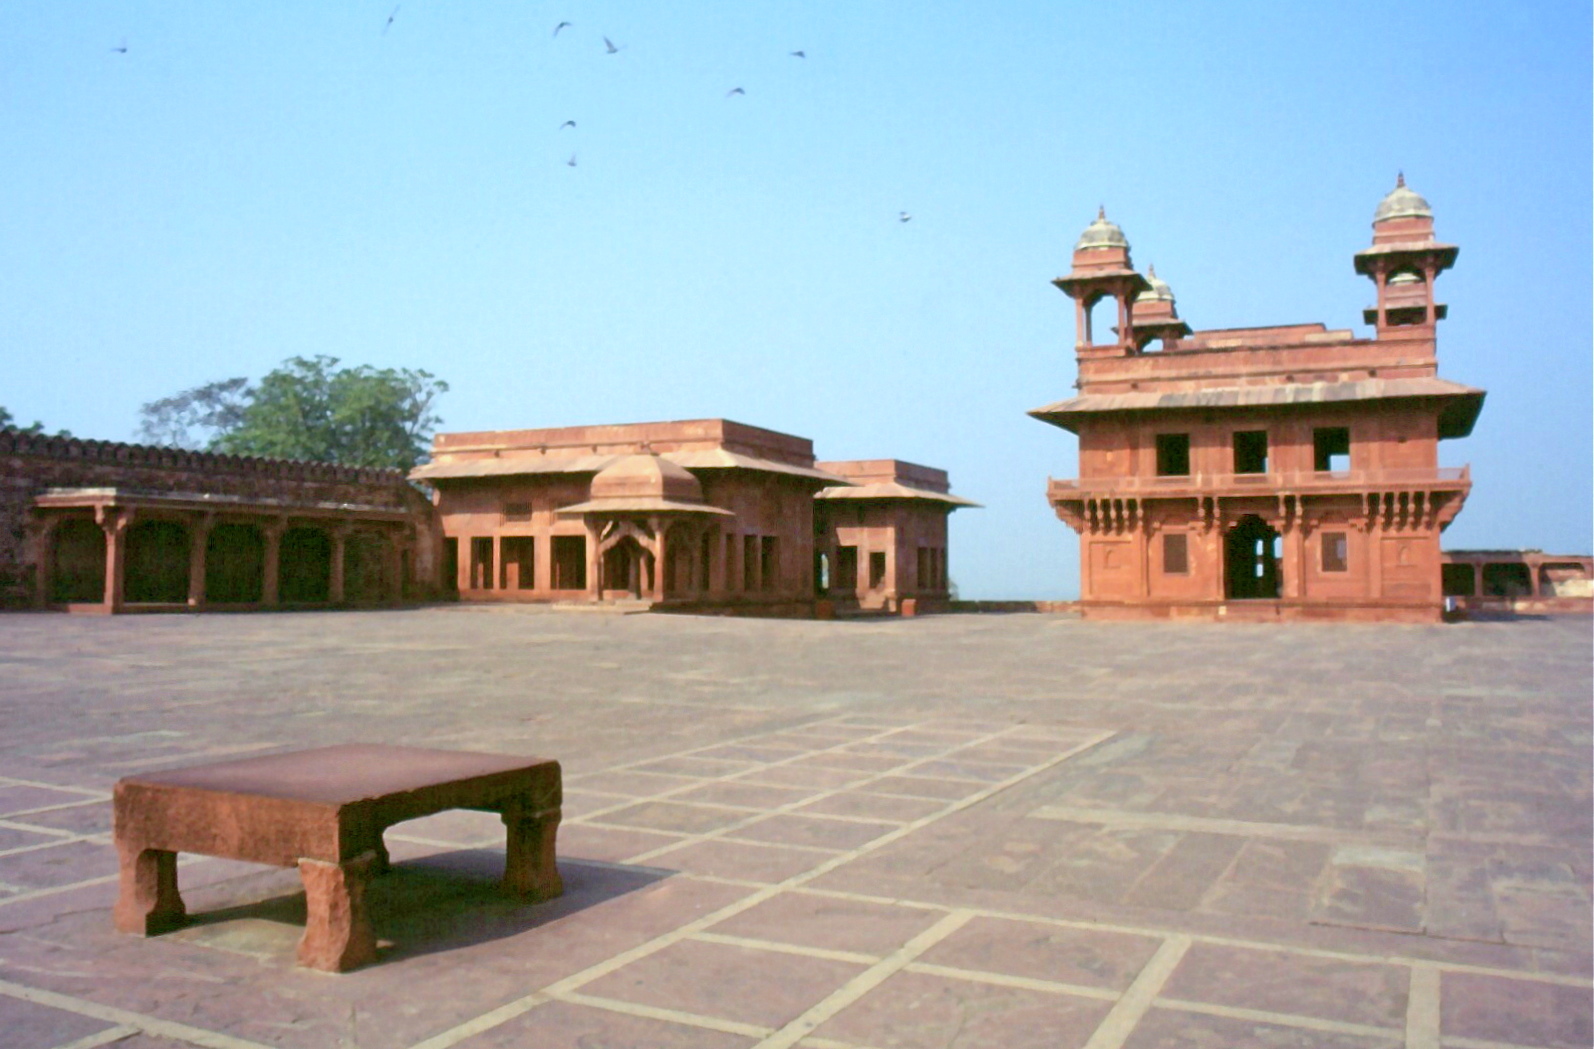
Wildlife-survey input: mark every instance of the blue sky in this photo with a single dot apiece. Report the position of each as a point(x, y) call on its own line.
point(253, 181)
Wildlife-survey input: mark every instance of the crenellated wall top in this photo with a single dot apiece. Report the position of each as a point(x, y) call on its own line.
point(18, 442)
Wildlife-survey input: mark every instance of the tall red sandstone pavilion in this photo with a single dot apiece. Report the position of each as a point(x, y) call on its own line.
point(1286, 472)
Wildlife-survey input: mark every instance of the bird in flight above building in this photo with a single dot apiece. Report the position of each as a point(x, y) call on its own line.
point(568, 123)
point(389, 23)
point(734, 91)
point(123, 49)
point(797, 54)
point(609, 47)
point(572, 161)
point(903, 216)
point(561, 25)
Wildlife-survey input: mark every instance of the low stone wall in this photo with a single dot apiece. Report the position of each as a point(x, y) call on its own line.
point(33, 463)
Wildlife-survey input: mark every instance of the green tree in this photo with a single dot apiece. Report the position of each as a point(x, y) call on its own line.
point(9, 422)
point(308, 408)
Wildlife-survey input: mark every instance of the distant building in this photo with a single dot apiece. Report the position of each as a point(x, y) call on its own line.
point(1278, 472)
point(97, 526)
point(1518, 581)
point(704, 514)
point(882, 537)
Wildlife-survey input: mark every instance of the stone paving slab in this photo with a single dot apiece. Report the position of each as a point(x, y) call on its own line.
point(950, 832)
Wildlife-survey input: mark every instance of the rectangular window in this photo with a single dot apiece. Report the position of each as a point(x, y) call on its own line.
point(481, 563)
point(1336, 552)
point(877, 570)
point(846, 574)
point(1173, 455)
point(749, 562)
point(519, 568)
point(1331, 449)
point(1176, 554)
point(1250, 452)
point(569, 562)
point(769, 563)
point(517, 513)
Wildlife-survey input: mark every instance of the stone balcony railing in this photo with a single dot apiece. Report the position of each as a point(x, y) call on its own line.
point(1305, 482)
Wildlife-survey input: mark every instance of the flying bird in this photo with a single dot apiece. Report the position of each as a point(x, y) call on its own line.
point(609, 46)
point(797, 54)
point(561, 25)
point(903, 216)
point(572, 161)
point(568, 123)
point(734, 91)
point(390, 18)
point(123, 49)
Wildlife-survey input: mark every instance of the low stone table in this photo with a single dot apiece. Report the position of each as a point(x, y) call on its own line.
point(324, 811)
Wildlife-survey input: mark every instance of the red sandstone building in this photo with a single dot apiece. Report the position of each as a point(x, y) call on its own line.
point(705, 514)
point(96, 526)
point(883, 538)
point(1277, 472)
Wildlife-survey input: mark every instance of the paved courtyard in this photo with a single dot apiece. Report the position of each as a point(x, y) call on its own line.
point(963, 831)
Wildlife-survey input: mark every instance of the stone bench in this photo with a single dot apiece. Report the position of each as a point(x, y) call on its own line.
point(324, 811)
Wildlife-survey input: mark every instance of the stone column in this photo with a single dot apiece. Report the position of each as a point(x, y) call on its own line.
point(41, 539)
point(271, 532)
point(340, 536)
point(594, 562)
point(1477, 579)
point(115, 523)
point(198, 545)
point(660, 556)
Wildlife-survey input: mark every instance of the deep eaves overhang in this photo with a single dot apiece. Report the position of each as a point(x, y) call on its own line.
point(1459, 410)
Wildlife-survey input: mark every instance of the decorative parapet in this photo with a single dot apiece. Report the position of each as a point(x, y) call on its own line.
point(17, 442)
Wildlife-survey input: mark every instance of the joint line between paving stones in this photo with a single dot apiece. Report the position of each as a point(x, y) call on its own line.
point(707, 781)
point(787, 948)
point(68, 839)
point(1422, 1008)
point(864, 982)
point(1310, 1023)
point(487, 1020)
point(862, 782)
point(187, 860)
point(1027, 983)
point(1557, 979)
point(124, 1017)
point(654, 1012)
point(105, 1037)
point(1452, 1042)
point(98, 795)
point(1122, 1018)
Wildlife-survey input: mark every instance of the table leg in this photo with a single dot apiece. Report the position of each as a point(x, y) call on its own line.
point(148, 903)
point(530, 867)
point(337, 932)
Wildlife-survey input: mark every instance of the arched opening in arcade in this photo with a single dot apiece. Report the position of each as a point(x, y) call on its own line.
point(157, 563)
point(77, 562)
point(1251, 561)
point(304, 573)
point(235, 564)
point(627, 569)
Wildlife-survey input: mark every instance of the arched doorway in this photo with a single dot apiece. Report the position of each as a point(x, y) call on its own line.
point(304, 574)
point(1251, 560)
point(157, 563)
point(628, 568)
point(77, 562)
point(235, 564)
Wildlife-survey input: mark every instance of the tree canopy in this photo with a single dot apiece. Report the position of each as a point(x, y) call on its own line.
point(9, 422)
point(307, 408)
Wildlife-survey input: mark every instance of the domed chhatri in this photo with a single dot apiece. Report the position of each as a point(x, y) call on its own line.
point(1402, 203)
point(1102, 234)
point(645, 477)
point(1158, 290)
